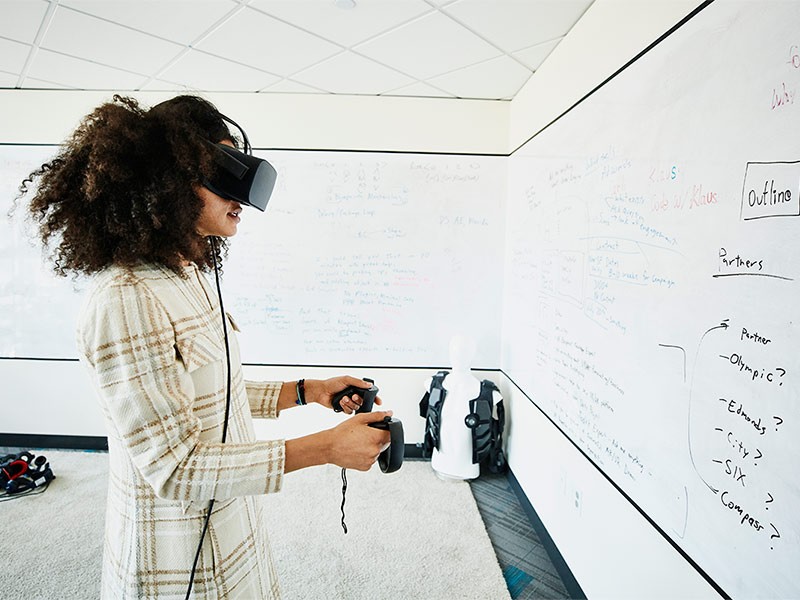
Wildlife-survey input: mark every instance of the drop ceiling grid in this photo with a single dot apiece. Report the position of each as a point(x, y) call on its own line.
point(458, 48)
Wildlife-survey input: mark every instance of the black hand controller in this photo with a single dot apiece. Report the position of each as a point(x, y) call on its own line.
point(391, 459)
point(367, 395)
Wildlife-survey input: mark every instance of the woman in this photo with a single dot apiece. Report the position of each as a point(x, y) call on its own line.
point(124, 201)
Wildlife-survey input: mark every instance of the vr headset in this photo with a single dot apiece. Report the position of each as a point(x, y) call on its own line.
point(242, 177)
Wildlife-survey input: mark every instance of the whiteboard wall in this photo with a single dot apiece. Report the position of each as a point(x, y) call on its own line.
point(39, 310)
point(361, 258)
point(652, 282)
point(372, 259)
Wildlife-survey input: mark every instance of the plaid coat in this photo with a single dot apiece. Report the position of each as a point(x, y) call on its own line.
point(154, 347)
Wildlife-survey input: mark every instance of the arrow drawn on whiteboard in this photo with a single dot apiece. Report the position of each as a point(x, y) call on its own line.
point(686, 512)
point(684, 357)
point(723, 326)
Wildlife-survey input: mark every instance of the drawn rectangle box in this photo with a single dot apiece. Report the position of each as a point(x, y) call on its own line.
point(771, 189)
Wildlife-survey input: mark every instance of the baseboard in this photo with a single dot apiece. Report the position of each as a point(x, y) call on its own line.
point(570, 583)
point(65, 442)
point(414, 451)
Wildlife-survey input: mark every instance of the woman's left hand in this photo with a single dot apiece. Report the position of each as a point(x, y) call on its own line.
point(322, 391)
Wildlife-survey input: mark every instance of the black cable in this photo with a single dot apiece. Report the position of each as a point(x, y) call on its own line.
point(344, 491)
point(227, 409)
point(6, 497)
point(199, 547)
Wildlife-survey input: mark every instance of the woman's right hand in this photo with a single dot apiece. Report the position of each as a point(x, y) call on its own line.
point(355, 445)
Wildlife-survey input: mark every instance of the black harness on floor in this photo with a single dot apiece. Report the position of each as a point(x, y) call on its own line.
point(21, 474)
point(485, 419)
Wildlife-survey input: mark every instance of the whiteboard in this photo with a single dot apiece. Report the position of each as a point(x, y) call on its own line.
point(371, 259)
point(38, 311)
point(652, 286)
point(361, 258)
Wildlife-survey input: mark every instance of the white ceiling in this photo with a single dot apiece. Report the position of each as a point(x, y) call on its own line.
point(435, 48)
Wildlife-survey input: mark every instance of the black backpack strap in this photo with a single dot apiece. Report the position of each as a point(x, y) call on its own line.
point(497, 458)
point(479, 420)
point(430, 408)
point(423, 405)
point(487, 431)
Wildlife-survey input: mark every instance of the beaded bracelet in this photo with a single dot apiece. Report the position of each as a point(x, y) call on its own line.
point(301, 392)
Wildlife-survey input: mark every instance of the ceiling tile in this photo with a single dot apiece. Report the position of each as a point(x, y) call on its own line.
point(534, 56)
point(287, 86)
point(344, 26)
point(205, 72)
point(418, 89)
point(39, 84)
point(7, 80)
point(13, 55)
point(255, 39)
point(429, 46)
point(182, 21)
point(349, 73)
point(158, 85)
point(21, 19)
point(76, 73)
point(91, 38)
point(516, 24)
point(495, 79)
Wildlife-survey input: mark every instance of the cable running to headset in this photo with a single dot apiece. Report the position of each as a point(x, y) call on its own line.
point(247, 150)
point(227, 410)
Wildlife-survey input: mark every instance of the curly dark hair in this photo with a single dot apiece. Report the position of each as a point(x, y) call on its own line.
point(121, 190)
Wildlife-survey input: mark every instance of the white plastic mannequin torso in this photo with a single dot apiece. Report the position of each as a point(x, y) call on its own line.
point(453, 458)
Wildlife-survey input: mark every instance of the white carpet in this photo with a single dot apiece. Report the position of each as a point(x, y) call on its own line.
point(410, 535)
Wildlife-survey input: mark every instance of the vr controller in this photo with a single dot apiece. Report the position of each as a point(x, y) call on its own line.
point(391, 459)
point(367, 396)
